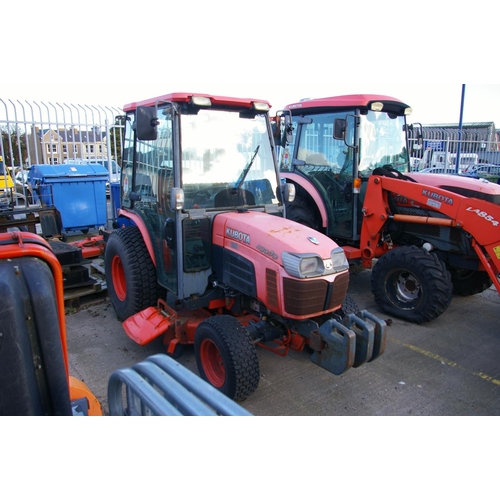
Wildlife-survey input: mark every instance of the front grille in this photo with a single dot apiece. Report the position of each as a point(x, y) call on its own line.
point(239, 273)
point(339, 291)
point(310, 298)
point(423, 229)
point(272, 289)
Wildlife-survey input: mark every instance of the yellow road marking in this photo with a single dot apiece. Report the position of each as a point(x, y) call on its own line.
point(445, 361)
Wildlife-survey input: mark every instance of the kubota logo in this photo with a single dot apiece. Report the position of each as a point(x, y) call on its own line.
point(238, 235)
point(438, 197)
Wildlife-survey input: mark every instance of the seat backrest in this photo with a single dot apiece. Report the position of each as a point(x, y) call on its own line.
point(231, 197)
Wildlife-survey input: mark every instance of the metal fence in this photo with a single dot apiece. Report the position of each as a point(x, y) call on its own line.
point(56, 133)
point(439, 146)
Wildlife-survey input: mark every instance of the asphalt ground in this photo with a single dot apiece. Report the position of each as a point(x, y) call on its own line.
point(449, 367)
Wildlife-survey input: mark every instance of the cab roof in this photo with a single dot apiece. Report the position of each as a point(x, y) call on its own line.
point(186, 97)
point(349, 101)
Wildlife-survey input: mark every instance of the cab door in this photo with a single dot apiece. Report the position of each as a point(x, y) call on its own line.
point(148, 177)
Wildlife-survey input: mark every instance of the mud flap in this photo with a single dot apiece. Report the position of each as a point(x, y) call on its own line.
point(334, 347)
point(150, 323)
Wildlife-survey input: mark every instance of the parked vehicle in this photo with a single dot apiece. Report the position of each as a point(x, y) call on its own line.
point(438, 170)
point(484, 171)
point(427, 236)
point(209, 230)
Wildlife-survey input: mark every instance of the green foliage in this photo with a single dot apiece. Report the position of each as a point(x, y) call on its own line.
point(13, 146)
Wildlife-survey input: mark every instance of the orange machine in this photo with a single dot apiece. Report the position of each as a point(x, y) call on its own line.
point(34, 374)
point(428, 236)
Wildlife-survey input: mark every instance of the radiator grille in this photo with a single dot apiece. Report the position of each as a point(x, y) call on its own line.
point(239, 274)
point(272, 289)
point(339, 291)
point(308, 298)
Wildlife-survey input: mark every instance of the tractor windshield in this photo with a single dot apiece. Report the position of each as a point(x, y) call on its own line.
point(227, 160)
point(382, 143)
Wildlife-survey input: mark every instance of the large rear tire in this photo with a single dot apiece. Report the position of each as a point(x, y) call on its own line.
point(412, 284)
point(226, 357)
point(300, 211)
point(130, 273)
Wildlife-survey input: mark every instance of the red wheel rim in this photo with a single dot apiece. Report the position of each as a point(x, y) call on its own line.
point(212, 363)
point(118, 277)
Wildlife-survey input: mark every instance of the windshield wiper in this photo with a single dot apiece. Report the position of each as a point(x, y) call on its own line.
point(243, 175)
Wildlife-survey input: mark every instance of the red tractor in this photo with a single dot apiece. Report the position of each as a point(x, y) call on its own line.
point(426, 236)
point(203, 220)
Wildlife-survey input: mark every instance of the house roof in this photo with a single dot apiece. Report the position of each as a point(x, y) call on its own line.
point(71, 135)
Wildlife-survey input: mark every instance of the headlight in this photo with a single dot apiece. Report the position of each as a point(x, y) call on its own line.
point(303, 265)
point(339, 260)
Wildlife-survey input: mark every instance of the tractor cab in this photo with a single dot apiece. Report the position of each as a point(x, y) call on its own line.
point(329, 147)
point(187, 158)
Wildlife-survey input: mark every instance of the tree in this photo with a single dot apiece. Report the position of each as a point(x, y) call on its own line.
point(13, 146)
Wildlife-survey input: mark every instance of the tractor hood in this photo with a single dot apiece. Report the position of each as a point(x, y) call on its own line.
point(270, 235)
point(465, 186)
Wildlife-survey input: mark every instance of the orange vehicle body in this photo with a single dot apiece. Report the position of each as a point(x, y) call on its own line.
point(425, 236)
point(18, 246)
point(478, 217)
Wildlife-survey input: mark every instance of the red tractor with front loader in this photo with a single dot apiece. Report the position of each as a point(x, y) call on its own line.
point(425, 236)
point(206, 257)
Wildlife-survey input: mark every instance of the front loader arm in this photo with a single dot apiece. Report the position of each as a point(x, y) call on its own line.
point(479, 218)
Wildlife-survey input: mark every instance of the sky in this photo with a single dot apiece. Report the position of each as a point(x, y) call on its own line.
point(431, 103)
point(111, 54)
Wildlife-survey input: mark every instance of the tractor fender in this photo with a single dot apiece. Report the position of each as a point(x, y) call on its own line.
point(137, 220)
point(311, 191)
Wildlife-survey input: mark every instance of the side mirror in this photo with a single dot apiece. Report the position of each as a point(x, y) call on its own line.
point(288, 132)
point(288, 191)
point(339, 129)
point(146, 123)
point(169, 233)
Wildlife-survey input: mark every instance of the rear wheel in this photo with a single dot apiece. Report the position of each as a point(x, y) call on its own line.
point(467, 282)
point(412, 284)
point(130, 273)
point(226, 357)
point(300, 211)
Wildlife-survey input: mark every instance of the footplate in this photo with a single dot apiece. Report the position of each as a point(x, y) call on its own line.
point(150, 323)
point(360, 339)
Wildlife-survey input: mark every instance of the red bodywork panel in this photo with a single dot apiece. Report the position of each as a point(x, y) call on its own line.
point(187, 96)
point(479, 218)
point(262, 239)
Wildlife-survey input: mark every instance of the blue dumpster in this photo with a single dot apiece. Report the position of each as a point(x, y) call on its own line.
point(77, 191)
point(115, 197)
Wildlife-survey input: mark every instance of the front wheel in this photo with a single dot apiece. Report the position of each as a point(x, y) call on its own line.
point(226, 357)
point(412, 284)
